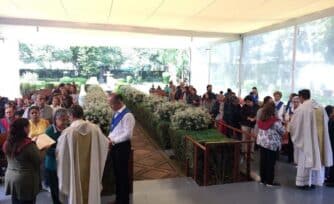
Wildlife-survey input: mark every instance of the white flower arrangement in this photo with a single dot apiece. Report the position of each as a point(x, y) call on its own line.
point(165, 111)
point(153, 102)
point(191, 119)
point(181, 116)
point(97, 109)
point(132, 95)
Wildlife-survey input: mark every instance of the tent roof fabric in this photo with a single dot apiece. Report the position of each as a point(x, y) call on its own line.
point(220, 16)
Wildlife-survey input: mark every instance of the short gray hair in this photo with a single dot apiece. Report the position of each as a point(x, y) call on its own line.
point(59, 113)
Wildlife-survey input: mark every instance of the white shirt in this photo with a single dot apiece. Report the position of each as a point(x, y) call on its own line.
point(280, 112)
point(124, 130)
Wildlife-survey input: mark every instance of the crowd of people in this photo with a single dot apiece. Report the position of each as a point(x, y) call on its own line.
point(71, 169)
point(302, 126)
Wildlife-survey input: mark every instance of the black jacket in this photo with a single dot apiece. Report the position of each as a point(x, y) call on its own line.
point(248, 111)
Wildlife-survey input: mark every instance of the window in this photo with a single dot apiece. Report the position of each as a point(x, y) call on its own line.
point(267, 62)
point(315, 59)
point(199, 69)
point(224, 66)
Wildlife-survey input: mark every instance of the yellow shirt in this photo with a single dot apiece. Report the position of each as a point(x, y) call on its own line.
point(39, 128)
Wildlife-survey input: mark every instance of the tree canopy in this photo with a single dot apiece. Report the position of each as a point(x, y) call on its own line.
point(89, 60)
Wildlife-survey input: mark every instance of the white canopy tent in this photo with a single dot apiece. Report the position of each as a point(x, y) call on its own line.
point(201, 17)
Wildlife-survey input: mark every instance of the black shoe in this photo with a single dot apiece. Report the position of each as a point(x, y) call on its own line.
point(329, 184)
point(312, 186)
point(274, 184)
point(304, 188)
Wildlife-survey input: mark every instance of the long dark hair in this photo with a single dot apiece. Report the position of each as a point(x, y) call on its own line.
point(266, 100)
point(16, 136)
point(268, 111)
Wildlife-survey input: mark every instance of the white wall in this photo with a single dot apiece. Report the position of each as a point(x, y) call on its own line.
point(9, 77)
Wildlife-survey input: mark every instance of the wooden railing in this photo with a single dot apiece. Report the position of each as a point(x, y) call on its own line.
point(205, 148)
point(197, 146)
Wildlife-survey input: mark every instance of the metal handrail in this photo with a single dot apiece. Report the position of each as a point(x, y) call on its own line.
point(250, 136)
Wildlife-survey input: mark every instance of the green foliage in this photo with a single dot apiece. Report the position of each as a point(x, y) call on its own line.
point(49, 86)
point(76, 80)
point(80, 80)
point(26, 53)
point(164, 111)
point(162, 60)
point(155, 113)
point(29, 87)
point(26, 88)
point(162, 134)
point(177, 139)
point(66, 80)
point(221, 158)
point(166, 77)
point(88, 61)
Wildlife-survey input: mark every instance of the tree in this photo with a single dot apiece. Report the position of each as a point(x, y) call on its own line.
point(63, 55)
point(328, 41)
point(89, 60)
point(26, 54)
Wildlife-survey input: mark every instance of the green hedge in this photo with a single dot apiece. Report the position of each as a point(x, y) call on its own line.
point(221, 157)
point(76, 80)
point(221, 160)
point(162, 133)
point(157, 129)
point(177, 139)
point(27, 88)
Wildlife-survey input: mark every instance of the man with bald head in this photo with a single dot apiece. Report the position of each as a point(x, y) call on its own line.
point(120, 134)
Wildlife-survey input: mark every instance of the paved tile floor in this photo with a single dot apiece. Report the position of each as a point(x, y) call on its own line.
point(185, 191)
point(150, 162)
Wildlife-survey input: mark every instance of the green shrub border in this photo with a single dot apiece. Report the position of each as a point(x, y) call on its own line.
point(220, 161)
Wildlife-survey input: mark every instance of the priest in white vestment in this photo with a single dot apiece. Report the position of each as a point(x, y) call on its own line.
point(81, 155)
point(309, 133)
